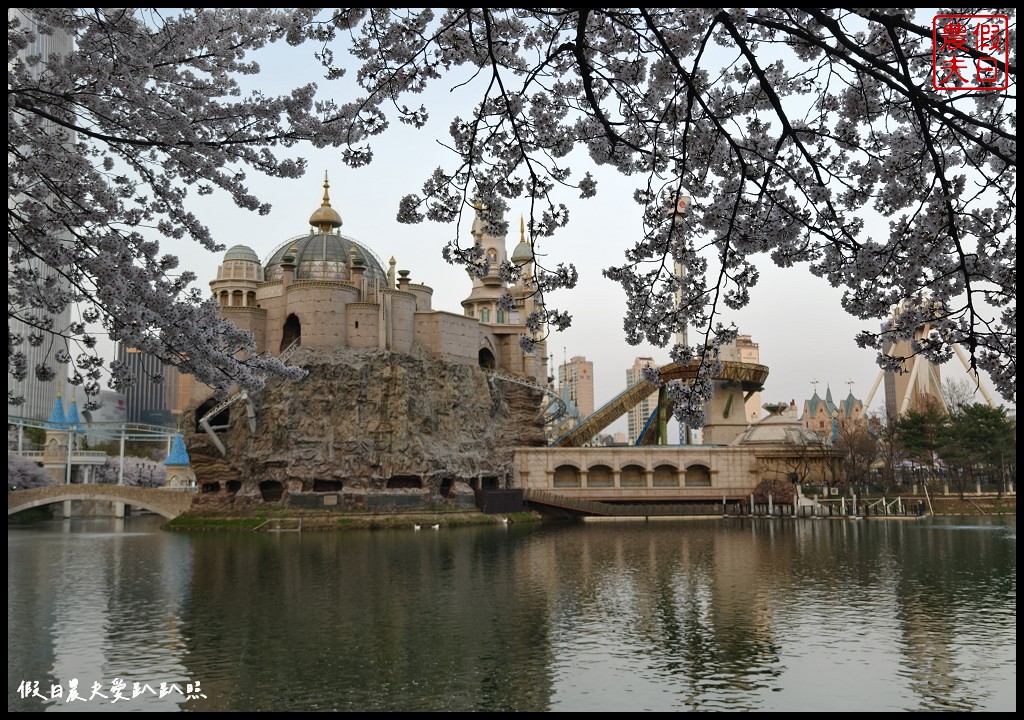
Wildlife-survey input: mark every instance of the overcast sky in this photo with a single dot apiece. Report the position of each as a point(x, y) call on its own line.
point(803, 334)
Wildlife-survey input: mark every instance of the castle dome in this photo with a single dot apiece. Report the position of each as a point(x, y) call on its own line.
point(241, 252)
point(523, 253)
point(324, 256)
point(777, 429)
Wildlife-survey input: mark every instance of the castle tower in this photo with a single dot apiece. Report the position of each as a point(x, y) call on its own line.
point(482, 302)
point(237, 278)
point(61, 434)
point(524, 294)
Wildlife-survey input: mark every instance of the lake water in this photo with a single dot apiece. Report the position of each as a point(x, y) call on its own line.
point(706, 615)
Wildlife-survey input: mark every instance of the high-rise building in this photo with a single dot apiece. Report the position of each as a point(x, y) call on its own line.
point(156, 397)
point(38, 394)
point(576, 383)
point(641, 412)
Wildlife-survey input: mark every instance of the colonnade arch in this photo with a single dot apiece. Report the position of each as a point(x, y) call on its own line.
point(600, 476)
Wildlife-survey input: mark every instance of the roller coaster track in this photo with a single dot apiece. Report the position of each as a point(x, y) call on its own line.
point(748, 375)
point(204, 421)
point(553, 397)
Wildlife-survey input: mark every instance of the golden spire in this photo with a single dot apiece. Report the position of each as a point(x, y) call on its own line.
point(327, 198)
point(325, 218)
point(522, 229)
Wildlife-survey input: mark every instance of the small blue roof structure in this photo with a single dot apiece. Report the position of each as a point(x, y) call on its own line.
point(57, 419)
point(72, 415)
point(179, 455)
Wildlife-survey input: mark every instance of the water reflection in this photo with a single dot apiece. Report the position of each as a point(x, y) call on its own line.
point(671, 615)
point(90, 601)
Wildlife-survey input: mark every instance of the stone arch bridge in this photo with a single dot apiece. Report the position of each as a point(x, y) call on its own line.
point(168, 503)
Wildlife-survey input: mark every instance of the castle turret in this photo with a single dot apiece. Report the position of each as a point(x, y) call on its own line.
point(482, 302)
point(178, 465)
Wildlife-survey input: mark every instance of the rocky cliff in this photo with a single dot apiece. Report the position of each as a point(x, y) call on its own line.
point(367, 421)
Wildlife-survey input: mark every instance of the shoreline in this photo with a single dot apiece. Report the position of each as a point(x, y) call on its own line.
point(273, 518)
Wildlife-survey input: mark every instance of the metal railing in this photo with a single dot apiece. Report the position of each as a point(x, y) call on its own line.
point(554, 398)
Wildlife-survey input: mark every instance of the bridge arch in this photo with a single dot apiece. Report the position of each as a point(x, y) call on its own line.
point(167, 503)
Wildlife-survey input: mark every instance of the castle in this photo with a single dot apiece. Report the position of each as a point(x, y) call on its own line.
point(326, 290)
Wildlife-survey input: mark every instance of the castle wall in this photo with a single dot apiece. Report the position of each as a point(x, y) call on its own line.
point(452, 337)
point(403, 321)
point(423, 296)
point(506, 343)
point(270, 298)
point(249, 318)
point(363, 325)
point(321, 307)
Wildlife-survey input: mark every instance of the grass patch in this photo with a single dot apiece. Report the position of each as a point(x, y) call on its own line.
point(524, 517)
point(191, 522)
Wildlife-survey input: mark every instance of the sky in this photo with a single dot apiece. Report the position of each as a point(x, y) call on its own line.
point(803, 334)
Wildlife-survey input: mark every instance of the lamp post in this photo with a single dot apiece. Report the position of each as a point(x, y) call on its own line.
point(71, 447)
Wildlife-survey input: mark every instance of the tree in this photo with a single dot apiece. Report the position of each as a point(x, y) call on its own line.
point(859, 449)
point(891, 453)
point(106, 144)
point(975, 441)
point(831, 458)
point(921, 432)
point(799, 132)
point(23, 473)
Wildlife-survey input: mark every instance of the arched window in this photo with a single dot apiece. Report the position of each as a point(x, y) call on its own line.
point(501, 317)
point(698, 476)
point(567, 476)
point(666, 476)
point(600, 476)
point(632, 476)
point(485, 315)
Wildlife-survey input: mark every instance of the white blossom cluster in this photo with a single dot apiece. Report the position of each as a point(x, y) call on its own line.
point(808, 136)
point(107, 143)
point(24, 473)
point(792, 126)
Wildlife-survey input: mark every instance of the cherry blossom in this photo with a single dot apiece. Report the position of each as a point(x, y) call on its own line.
point(807, 137)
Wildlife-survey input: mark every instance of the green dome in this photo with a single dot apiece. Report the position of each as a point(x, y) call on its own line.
point(324, 256)
point(522, 254)
point(241, 252)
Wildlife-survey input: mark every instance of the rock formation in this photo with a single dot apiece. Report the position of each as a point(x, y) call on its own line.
point(369, 422)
